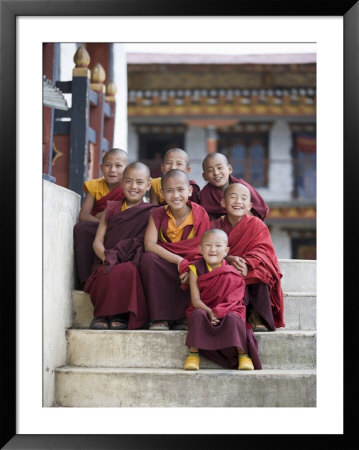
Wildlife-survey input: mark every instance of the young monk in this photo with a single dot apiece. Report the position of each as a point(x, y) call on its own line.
point(172, 240)
point(115, 286)
point(217, 172)
point(217, 315)
point(174, 158)
point(98, 192)
point(252, 253)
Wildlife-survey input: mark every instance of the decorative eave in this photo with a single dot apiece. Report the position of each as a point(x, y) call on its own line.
point(288, 212)
point(206, 102)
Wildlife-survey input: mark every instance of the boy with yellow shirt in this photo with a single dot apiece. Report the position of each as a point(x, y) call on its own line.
point(174, 158)
point(98, 191)
point(171, 241)
point(217, 314)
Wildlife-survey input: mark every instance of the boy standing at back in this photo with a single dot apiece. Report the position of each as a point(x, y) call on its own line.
point(98, 191)
point(172, 240)
point(217, 172)
point(174, 158)
point(252, 253)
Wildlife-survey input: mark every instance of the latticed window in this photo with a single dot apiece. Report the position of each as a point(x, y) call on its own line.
point(247, 152)
point(304, 152)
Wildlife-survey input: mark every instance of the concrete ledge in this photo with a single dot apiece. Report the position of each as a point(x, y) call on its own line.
point(299, 310)
point(299, 275)
point(78, 387)
point(166, 349)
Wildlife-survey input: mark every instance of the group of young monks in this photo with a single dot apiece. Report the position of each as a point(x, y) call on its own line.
point(164, 254)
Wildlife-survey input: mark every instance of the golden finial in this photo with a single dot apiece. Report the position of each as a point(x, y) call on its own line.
point(98, 74)
point(82, 60)
point(111, 89)
point(81, 57)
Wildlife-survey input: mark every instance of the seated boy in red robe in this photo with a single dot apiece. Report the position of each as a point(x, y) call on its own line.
point(98, 192)
point(217, 315)
point(217, 173)
point(252, 253)
point(172, 239)
point(174, 158)
point(115, 285)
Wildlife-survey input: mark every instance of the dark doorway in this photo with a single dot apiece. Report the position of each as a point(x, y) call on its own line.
point(152, 147)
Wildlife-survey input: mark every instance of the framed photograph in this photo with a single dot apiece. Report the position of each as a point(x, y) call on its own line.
point(24, 27)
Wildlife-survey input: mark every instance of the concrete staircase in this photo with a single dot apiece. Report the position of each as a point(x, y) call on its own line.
point(145, 368)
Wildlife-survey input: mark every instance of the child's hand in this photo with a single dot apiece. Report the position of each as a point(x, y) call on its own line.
point(239, 263)
point(213, 318)
point(100, 214)
point(184, 278)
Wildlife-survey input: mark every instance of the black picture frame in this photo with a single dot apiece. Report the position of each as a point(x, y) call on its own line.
point(9, 10)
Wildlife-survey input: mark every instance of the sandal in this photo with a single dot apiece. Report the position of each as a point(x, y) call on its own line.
point(96, 321)
point(159, 325)
point(255, 322)
point(180, 324)
point(123, 324)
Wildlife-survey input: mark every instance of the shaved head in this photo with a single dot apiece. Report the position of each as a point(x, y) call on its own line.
point(211, 156)
point(139, 166)
point(234, 187)
point(174, 173)
point(216, 231)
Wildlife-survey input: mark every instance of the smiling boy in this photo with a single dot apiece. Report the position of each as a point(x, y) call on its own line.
point(174, 158)
point(252, 253)
point(217, 315)
point(218, 174)
point(171, 240)
point(115, 286)
point(98, 191)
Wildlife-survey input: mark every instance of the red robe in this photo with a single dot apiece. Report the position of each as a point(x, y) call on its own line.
point(166, 296)
point(116, 287)
point(221, 289)
point(187, 248)
point(251, 240)
point(114, 195)
point(211, 196)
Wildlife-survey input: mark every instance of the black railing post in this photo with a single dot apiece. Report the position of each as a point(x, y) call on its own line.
point(80, 117)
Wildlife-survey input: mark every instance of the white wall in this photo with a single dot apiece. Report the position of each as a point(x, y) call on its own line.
point(195, 146)
point(280, 183)
point(60, 213)
point(120, 79)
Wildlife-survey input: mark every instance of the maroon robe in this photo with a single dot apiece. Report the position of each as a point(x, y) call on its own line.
point(167, 300)
point(222, 289)
point(211, 196)
point(115, 287)
point(84, 234)
point(114, 195)
point(251, 240)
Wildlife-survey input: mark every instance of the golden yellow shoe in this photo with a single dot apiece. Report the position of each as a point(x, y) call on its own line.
point(245, 362)
point(192, 363)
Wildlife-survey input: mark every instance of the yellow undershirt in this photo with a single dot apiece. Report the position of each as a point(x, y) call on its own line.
point(157, 186)
point(175, 232)
point(194, 269)
point(97, 188)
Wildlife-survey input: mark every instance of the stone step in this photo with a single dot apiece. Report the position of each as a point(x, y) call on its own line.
point(166, 349)
point(119, 387)
point(299, 310)
point(299, 275)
